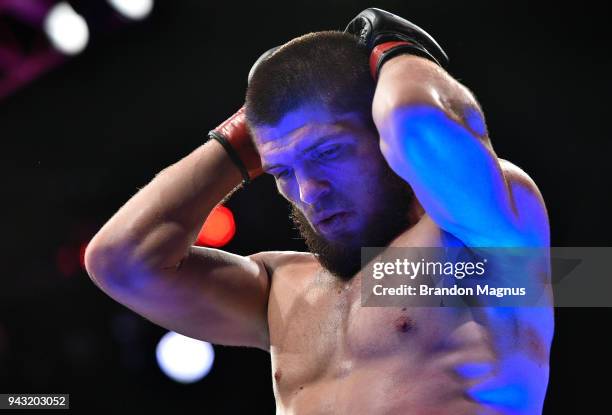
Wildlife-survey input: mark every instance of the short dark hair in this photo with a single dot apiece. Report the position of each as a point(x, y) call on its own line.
point(329, 68)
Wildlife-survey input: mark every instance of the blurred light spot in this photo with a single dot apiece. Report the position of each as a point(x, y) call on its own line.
point(67, 260)
point(66, 29)
point(218, 229)
point(184, 359)
point(82, 250)
point(133, 9)
point(70, 258)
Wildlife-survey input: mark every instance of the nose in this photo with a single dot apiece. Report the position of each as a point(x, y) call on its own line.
point(312, 189)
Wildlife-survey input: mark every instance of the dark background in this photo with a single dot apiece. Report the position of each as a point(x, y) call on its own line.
point(79, 141)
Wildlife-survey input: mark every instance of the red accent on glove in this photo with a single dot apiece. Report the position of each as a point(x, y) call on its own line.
point(235, 130)
point(380, 50)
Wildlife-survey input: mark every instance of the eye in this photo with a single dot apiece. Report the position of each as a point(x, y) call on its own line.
point(279, 174)
point(328, 153)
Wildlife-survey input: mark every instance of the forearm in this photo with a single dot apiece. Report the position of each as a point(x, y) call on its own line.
point(156, 227)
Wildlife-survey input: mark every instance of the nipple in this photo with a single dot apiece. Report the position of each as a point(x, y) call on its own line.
point(403, 323)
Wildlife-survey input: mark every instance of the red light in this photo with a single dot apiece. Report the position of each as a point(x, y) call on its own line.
point(67, 260)
point(82, 254)
point(70, 255)
point(218, 229)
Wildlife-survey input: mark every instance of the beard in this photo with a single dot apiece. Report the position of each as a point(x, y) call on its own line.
point(398, 210)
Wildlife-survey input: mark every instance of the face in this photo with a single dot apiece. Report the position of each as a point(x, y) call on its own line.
point(343, 194)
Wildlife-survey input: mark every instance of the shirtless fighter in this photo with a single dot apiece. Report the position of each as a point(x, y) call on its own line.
point(373, 143)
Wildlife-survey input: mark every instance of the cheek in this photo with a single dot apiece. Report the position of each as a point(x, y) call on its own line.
point(373, 167)
point(362, 184)
point(366, 161)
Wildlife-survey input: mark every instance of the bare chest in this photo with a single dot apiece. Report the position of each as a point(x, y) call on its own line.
point(320, 330)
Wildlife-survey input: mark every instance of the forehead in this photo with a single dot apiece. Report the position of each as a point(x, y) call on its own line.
point(303, 125)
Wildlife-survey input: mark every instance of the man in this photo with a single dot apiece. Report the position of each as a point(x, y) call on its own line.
point(373, 144)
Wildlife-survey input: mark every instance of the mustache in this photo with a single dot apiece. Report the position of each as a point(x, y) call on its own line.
point(323, 207)
point(342, 256)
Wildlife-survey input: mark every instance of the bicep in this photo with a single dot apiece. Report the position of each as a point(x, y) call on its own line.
point(211, 295)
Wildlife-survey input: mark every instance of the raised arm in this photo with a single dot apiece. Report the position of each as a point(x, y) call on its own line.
point(144, 257)
point(433, 135)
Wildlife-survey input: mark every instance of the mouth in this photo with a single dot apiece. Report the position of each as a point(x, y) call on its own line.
point(331, 222)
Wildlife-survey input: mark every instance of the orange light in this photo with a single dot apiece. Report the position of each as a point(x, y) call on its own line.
point(218, 229)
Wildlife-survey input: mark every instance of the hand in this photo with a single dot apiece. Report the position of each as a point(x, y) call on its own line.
point(234, 136)
point(387, 35)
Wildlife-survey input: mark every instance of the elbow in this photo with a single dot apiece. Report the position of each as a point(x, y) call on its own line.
point(116, 270)
point(95, 260)
point(101, 266)
point(93, 257)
